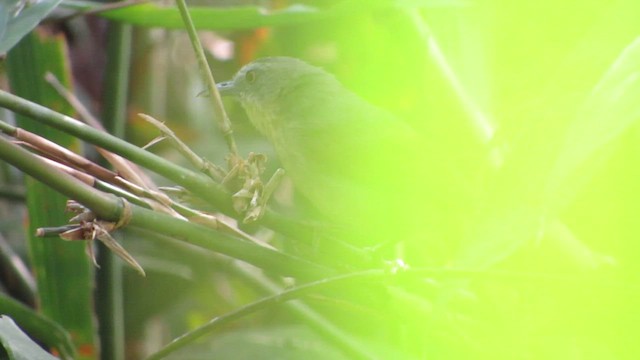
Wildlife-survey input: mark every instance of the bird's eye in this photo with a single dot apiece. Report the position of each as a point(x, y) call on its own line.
point(250, 76)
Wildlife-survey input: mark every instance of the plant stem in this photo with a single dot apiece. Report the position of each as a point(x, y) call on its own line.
point(197, 183)
point(352, 349)
point(218, 108)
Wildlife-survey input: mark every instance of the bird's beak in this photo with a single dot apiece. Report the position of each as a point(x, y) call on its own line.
point(226, 88)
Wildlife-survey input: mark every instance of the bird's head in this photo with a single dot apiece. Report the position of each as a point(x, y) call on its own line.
point(271, 85)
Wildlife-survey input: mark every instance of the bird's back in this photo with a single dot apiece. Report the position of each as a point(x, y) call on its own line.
point(357, 163)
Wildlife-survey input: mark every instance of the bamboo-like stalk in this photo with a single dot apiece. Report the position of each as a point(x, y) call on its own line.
point(197, 183)
point(111, 208)
point(110, 282)
point(218, 109)
point(63, 273)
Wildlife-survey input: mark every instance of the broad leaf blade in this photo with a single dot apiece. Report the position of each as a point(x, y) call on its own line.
point(18, 17)
point(18, 345)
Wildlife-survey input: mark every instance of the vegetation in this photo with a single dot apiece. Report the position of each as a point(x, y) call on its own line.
point(528, 113)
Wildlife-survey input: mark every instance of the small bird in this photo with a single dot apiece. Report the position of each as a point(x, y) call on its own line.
point(355, 162)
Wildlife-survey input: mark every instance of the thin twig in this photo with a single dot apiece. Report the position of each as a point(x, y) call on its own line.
point(353, 350)
point(395, 270)
point(71, 162)
point(197, 183)
point(209, 168)
point(124, 167)
point(216, 100)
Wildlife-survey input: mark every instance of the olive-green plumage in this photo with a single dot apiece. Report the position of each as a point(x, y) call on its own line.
point(353, 161)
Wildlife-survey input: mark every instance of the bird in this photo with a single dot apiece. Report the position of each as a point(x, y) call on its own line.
point(357, 164)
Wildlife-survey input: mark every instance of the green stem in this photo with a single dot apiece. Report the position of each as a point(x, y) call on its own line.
point(109, 289)
point(22, 284)
point(218, 108)
point(259, 282)
point(110, 208)
point(352, 350)
point(197, 183)
point(39, 326)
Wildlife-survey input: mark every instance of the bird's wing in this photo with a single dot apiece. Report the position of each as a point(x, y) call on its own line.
point(358, 146)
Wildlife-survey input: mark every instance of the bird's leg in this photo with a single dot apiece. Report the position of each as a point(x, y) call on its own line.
point(259, 203)
point(251, 200)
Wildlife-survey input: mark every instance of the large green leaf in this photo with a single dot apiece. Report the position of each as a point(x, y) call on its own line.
point(39, 327)
point(18, 17)
point(151, 15)
point(18, 345)
point(246, 17)
point(63, 272)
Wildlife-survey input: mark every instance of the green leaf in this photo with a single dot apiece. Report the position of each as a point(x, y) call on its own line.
point(151, 15)
point(249, 17)
point(39, 327)
point(18, 17)
point(63, 272)
point(609, 111)
point(18, 345)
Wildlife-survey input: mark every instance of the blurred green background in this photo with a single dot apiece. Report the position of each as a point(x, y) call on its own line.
point(528, 110)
